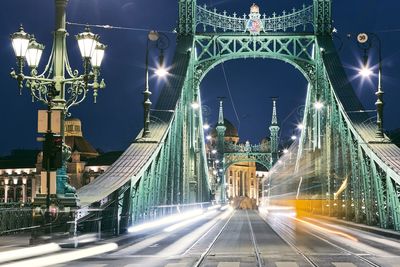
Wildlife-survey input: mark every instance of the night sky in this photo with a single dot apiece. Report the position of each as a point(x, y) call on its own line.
point(116, 119)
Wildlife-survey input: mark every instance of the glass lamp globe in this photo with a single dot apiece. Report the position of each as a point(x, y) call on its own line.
point(87, 42)
point(34, 53)
point(98, 55)
point(20, 42)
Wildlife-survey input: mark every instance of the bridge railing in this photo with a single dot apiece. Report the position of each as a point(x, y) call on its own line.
point(15, 218)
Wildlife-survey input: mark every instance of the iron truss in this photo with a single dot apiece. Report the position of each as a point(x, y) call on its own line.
point(232, 158)
point(229, 147)
point(287, 21)
point(214, 49)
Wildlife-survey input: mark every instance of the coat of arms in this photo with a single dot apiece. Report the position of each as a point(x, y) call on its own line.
point(254, 24)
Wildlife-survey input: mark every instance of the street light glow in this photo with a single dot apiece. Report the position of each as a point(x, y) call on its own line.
point(318, 105)
point(365, 71)
point(161, 72)
point(214, 151)
point(285, 151)
point(206, 126)
point(195, 105)
point(300, 126)
point(293, 137)
point(208, 137)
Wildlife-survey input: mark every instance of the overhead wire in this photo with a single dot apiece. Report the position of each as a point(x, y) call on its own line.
point(230, 95)
point(107, 26)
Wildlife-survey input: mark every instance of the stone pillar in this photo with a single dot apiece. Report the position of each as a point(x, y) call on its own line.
point(15, 182)
point(24, 189)
point(6, 190)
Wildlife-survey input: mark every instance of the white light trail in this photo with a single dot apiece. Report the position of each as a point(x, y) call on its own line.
point(65, 257)
point(189, 221)
point(28, 252)
point(166, 220)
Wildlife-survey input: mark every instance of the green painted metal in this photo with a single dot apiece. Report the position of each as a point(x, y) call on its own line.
point(349, 170)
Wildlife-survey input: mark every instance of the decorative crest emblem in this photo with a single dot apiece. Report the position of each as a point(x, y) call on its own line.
point(254, 24)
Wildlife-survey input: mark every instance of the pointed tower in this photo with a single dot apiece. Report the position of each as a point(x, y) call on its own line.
point(221, 128)
point(274, 132)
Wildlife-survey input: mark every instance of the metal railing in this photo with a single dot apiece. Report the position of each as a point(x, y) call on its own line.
point(15, 218)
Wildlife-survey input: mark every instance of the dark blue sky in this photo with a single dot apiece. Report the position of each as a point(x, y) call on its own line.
point(115, 120)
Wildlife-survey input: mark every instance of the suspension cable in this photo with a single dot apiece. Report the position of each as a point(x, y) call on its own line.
point(230, 95)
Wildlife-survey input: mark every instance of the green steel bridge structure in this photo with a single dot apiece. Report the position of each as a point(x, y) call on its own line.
point(169, 166)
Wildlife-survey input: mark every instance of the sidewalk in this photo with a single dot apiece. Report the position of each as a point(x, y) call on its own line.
point(8, 242)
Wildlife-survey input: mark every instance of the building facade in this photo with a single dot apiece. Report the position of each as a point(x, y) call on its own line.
point(20, 171)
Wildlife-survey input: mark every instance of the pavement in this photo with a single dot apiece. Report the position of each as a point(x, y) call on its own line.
point(243, 238)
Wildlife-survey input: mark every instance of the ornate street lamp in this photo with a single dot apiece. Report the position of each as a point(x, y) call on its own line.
point(365, 42)
point(58, 86)
point(162, 43)
point(34, 53)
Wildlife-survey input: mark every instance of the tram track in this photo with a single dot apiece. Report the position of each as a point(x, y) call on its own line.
point(259, 259)
point(205, 254)
point(308, 258)
point(203, 258)
point(293, 246)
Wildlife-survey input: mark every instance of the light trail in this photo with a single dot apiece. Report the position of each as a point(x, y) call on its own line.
point(166, 220)
point(323, 229)
point(189, 221)
point(23, 253)
point(65, 257)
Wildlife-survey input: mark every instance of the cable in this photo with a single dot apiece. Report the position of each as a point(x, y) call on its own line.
point(389, 30)
point(230, 95)
point(107, 26)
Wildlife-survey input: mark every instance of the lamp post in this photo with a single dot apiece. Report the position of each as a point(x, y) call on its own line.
point(58, 86)
point(365, 43)
point(6, 180)
point(162, 43)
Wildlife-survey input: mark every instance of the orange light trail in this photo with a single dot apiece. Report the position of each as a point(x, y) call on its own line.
point(328, 230)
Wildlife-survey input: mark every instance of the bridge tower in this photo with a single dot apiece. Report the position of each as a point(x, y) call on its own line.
point(220, 149)
point(274, 133)
point(187, 18)
point(323, 17)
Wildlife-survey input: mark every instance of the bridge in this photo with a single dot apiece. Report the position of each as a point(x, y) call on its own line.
point(342, 166)
point(338, 139)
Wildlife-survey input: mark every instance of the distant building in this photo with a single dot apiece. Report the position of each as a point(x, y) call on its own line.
point(20, 171)
point(241, 178)
point(18, 176)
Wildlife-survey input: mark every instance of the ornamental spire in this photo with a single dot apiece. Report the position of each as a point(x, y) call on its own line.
point(274, 120)
point(221, 113)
